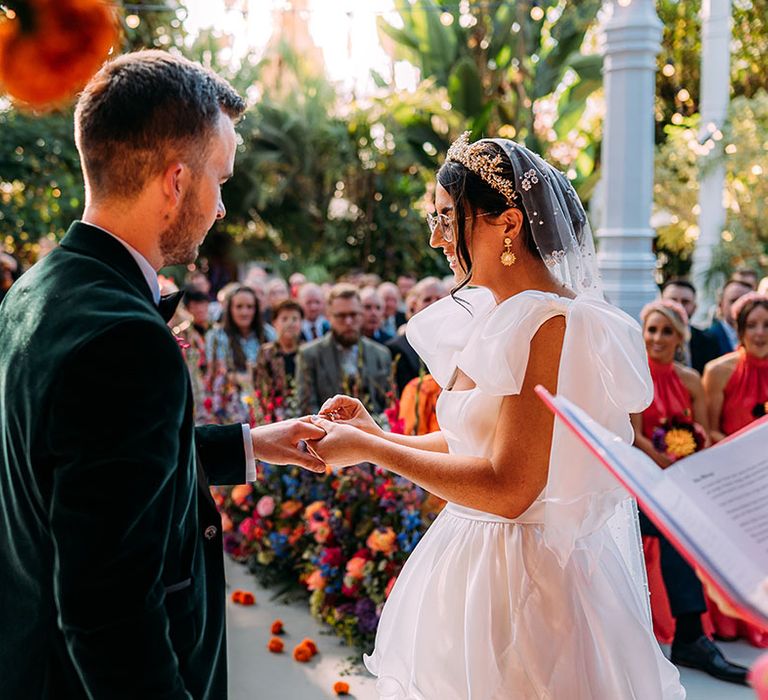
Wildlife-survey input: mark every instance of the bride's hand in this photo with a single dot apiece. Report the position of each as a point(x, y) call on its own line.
point(348, 411)
point(344, 445)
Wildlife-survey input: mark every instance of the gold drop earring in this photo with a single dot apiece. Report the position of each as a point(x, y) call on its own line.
point(508, 257)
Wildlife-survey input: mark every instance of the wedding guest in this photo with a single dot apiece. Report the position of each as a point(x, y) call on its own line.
point(315, 325)
point(736, 384)
point(408, 364)
point(295, 281)
point(405, 283)
point(231, 351)
point(723, 329)
point(276, 291)
point(393, 316)
point(736, 387)
point(418, 405)
point(679, 409)
point(373, 315)
point(275, 371)
point(747, 275)
point(343, 360)
point(192, 331)
point(702, 347)
point(762, 288)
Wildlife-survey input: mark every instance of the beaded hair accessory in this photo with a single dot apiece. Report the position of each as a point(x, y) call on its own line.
point(474, 157)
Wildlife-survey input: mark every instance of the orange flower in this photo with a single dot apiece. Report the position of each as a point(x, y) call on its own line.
point(243, 597)
point(316, 507)
point(316, 581)
point(356, 567)
point(276, 645)
point(290, 508)
point(226, 523)
point(49, 61)
point(307, 642)
point(277, 627)
point(382, 540)
point(240, 493)
point(302, 653)
point(341, 688)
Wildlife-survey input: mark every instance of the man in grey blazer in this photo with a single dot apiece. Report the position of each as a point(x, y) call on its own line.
point(343, 361)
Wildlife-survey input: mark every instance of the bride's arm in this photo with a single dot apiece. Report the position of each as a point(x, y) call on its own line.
point(350, 411)
point(508, 482)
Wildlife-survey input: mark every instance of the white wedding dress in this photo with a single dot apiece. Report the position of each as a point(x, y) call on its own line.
point(552, 604)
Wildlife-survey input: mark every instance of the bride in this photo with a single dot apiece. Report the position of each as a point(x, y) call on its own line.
point(530, 582)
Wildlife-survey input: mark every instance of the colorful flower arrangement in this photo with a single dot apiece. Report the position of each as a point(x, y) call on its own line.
point(678, 437)
point(341, 538)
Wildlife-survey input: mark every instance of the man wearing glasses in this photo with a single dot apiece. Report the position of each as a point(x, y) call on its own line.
point(343, 361)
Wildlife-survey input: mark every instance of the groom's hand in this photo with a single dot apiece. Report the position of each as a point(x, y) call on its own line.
point(285, 443)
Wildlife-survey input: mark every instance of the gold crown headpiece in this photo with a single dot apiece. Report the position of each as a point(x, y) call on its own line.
point(474, 157)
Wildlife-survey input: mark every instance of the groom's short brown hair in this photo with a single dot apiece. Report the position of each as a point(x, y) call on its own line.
point(140, 111)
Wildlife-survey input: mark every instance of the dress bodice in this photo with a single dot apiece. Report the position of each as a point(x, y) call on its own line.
point(745, 390)
point(671, 399)
point(603, 369)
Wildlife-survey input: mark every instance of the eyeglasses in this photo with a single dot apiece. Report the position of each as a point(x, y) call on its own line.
point(352, 315)
point(446, 222)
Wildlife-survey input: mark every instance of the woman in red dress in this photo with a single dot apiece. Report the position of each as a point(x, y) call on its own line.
point(674, 426)
point(736, 387)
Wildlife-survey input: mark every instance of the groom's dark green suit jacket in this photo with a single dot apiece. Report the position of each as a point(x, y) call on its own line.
point(111, 568)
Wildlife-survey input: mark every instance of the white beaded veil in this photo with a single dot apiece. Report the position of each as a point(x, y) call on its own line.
point(558, 222)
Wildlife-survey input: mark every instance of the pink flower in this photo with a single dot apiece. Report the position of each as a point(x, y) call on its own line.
point(331, 556)
point(246, 526)
point(356, 567)
point(322, 533)
point(316, 581)
point(266, 506)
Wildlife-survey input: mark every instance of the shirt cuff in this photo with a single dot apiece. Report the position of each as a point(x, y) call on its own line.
point(250, 461)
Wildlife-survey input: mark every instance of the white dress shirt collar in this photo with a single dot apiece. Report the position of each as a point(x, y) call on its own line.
point(146, 269)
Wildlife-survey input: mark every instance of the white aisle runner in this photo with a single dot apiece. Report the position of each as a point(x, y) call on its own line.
point(257, 674)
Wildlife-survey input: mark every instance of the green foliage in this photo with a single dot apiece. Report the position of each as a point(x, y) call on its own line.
point(681, 51)
point(501, 62)
point(41, 188)
point(680, 162)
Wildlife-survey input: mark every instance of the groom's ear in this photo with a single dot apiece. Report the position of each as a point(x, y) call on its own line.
point(175, 181)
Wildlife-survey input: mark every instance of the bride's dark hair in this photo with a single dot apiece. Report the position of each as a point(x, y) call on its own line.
point(471, 194)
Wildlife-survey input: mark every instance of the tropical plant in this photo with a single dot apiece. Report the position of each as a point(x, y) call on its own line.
point(680, 163)
point(503, 62)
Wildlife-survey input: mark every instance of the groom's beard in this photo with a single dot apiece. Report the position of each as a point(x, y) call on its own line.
point(179, 243)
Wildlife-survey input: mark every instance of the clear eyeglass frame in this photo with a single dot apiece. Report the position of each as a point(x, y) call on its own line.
point(446, 223)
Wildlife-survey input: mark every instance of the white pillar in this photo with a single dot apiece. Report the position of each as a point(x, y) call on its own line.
point(715, 94)
point(625, 237)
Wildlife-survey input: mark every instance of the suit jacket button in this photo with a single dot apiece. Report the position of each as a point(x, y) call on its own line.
point(210, 532)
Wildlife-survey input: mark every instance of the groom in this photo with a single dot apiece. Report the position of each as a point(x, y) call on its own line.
point(111, 572)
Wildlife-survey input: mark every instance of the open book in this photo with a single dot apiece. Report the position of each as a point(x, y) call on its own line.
point(712, 506)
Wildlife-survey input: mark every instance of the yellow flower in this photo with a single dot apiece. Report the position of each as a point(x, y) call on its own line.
point(680, 443)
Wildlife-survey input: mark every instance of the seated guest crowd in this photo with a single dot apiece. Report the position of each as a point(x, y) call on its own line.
point(267, 350)
point(707, 385)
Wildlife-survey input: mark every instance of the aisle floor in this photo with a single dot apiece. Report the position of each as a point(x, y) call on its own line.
point(257, 674)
